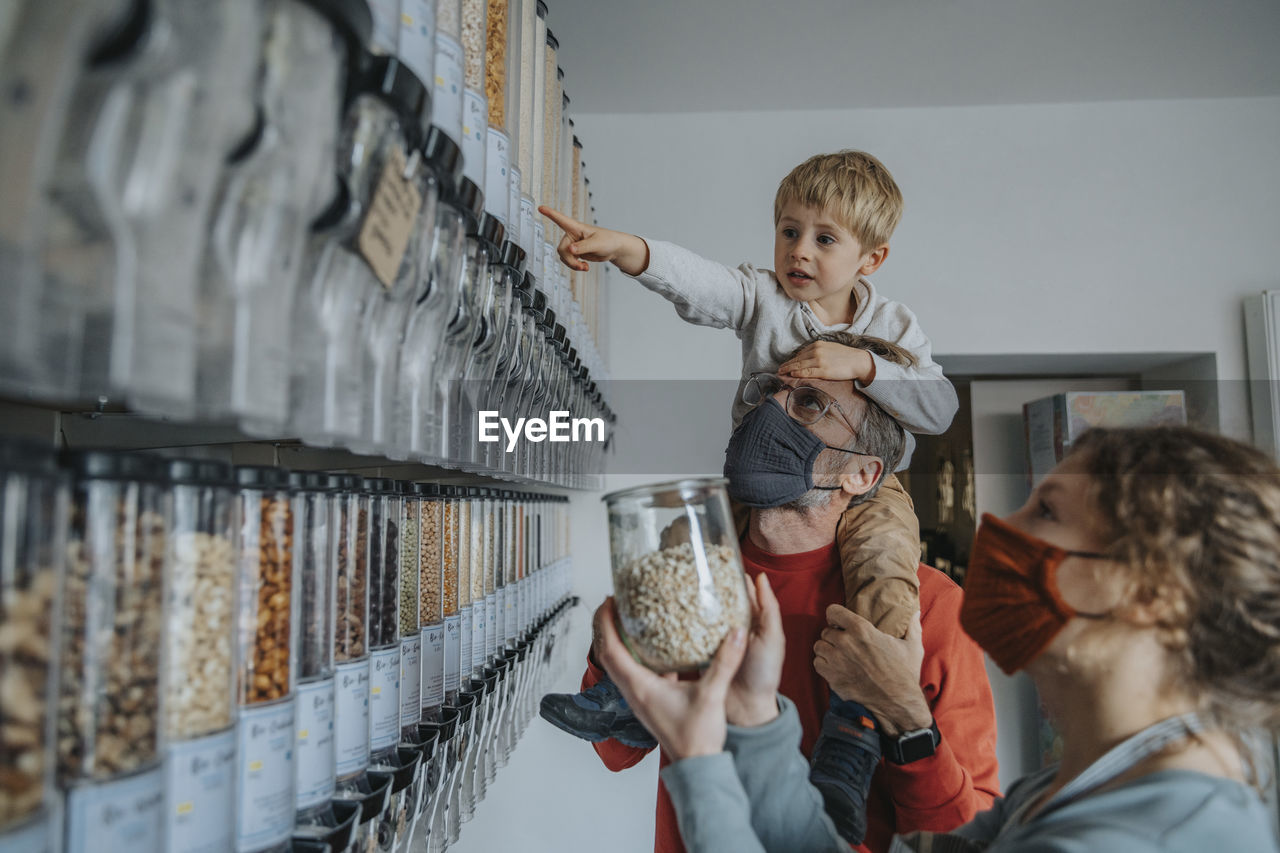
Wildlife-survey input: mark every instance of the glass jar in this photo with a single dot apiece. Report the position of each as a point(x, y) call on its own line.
point(481, 367)
point(113, 613)
point(501, 88)
point(351, 637)
point(347, 263)
point(384, 627)
point(33, 530)
point(417, 38)
point(551, 108)
point(410, 616)
point(466, 601)
point(315, 557)
point(451, 508)
point(475, 111)
point(479, 550)
point(267, 196)
point(435, 298)
point(44, 53)
point(524, 148)
point(431, 599)
point(677, 572)
point(200, 674)
point(447, 94)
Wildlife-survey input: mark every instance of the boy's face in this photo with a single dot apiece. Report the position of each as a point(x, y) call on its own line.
point(816, 259)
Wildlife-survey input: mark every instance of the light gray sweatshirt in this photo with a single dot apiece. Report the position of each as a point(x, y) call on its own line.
point(755, 797)
point(772, 325)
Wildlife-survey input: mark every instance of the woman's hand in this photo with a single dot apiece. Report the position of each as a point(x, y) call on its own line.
point(868, 666)
point(687, 717)
point(753, 693)
point(582, 242)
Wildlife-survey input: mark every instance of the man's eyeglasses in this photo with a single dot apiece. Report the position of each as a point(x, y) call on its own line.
point(805, 404)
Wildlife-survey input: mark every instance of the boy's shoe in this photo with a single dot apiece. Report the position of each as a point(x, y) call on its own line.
point(844, 758)
point(597, 713)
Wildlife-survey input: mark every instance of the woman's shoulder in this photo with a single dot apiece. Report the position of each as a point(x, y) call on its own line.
point(1173, 810)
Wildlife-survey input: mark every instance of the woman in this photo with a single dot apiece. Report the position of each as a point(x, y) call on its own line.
point(1139, 587)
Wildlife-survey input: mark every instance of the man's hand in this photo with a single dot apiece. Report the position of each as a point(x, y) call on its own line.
point(582, 242)
point(753, 693)
point(829, 360)
point(868, 666)
point(687, 717)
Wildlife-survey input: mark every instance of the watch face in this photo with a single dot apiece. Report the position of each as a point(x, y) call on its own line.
point(916, 745)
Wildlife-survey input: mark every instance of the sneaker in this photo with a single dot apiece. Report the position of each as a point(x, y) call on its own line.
point(844, 758)
point(590, 714)
point(629, 731)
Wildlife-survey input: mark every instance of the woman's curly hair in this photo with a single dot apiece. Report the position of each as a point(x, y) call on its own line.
point(1197, 518)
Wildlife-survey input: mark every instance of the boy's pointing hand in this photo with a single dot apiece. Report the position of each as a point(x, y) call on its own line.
point(582, 243)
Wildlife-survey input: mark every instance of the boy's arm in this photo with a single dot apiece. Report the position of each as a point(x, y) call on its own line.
point(704, 292)
point(918, 396)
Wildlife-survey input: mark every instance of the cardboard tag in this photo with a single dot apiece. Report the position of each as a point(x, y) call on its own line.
point(384, 235)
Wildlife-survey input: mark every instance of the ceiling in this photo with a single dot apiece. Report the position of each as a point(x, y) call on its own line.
point(636, 56)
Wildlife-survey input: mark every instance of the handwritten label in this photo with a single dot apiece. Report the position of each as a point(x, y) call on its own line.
point(384, 236)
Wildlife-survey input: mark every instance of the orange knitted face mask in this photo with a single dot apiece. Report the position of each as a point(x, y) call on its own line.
point(1012, 606)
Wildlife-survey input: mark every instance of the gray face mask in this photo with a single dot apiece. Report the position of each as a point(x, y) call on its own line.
point(769, 460)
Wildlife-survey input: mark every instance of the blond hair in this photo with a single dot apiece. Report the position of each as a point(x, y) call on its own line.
point(1196, 519)
point(851, 186)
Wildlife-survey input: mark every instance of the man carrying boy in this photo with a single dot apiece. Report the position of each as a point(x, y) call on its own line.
point(833, 217)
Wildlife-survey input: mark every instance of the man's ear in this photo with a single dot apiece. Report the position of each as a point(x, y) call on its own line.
point(862, 475)
point(872, 260)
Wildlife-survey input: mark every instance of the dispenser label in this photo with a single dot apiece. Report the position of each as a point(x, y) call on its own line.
point(200, 794)
point(351, 717)
point(527, 228)
point(265, 803)
point(446, 101)
point(464, 656)
point(475, 126)
point(492, 640)
point(514, 223)
point(452, 652)
point(127, 814)
point(479, 621)
point(384, 235)
point(418, 39)
point(497, 179)
point(316, 755)
point(384, 698)
point(433, 666)
point(34, 837)
point(386, 25)
point(410, 680)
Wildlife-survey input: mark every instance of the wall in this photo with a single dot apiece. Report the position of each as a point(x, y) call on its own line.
point(1113, 227)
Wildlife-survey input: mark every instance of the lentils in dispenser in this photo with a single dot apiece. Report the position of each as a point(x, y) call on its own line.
point(475, 112)
point(446, 96)
point(410, 602)
point(33, 523)
point(551, 105)
point(384, 627)
point(677, 572)
point(449, 583)
point(501, 88)
point(200, 680)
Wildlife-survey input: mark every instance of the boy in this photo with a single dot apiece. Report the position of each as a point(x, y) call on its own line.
point(833, 216)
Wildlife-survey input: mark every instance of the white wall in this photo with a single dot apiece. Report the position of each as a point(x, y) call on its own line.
point(1114, 227)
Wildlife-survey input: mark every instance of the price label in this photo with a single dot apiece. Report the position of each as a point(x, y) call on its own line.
point(384, 235)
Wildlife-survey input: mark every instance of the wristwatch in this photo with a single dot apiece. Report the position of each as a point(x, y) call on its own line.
point(911, 746)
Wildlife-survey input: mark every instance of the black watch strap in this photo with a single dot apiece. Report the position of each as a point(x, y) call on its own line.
point(911, 746)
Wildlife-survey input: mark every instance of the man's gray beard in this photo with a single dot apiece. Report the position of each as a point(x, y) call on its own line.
point(811, 500)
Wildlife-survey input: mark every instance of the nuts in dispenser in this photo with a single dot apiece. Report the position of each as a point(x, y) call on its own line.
point(265, 597)
point(676, 608)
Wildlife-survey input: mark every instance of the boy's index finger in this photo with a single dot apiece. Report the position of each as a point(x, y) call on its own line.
point(568, 224)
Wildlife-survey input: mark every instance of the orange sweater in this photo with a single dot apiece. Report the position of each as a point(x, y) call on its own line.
point(937, 793)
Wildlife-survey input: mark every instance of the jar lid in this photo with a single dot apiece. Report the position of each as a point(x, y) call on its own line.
point(261, 477)
point(311, 481)
point(560, 76)
point(539, 303)
point(428, 490)
point(542, 9)
point(351, 17)
point(514, 257)
point(443, 155)
point(577, 143)
point(493, 232)
point(549, 321)
point(678, 491)
point(469, 199)
point(573, 354)
point(122, 36)
point(560, 333)
point(28, 457)
point(345, 482)
point(390, 79)
point(529, 282)
point(552, 41)
point(199, 472)
point(380, 485)
point(115, 465)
